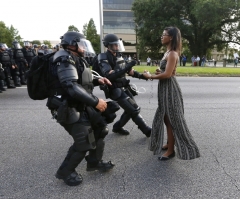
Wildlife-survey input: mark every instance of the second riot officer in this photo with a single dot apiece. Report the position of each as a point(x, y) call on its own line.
point(112, 66)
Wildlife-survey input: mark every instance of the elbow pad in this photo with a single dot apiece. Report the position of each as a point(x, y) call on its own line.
point(79, 93)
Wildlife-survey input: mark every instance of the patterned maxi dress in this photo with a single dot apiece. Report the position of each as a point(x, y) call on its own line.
point(170, 103)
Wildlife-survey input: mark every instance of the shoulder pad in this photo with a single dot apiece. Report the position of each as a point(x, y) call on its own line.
point(60, 53)
point(102, 56)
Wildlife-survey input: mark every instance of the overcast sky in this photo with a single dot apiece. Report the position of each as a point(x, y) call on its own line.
point(48, 19)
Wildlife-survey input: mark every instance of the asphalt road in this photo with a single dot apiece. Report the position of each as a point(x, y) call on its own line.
point(33, 146)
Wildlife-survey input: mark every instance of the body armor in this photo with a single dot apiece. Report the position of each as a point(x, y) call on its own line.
point(5, 57)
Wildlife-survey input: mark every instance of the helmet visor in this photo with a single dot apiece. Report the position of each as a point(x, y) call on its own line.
point(26, 43)
point(86, 46)
point(4, 46)
point(117, 46)
point(17, 46)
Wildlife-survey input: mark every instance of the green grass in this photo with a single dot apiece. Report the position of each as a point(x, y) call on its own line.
point(197, 71)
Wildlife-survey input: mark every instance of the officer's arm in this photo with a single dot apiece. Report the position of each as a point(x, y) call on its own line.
point(138, 75)
point(68, 77)
point(107, 70)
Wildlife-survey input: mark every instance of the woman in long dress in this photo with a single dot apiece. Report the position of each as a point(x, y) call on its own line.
point(170, 105)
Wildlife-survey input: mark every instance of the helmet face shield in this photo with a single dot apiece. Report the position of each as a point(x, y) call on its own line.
point(4, 46)
point(26, 43)
point(86, 46)
point(16, 46)
point(116, 46)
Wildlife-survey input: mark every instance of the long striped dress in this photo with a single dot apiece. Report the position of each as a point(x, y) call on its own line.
point(170, 103)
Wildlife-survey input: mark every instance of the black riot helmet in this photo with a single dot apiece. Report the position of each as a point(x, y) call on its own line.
point(3, 46)
point(26, 43)
point(16, 45)
point(110, 40)
point(71, 38)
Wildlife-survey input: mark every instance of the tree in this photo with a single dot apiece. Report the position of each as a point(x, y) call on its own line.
point(90, 32)
point(48, 43)
point(8, 35)
point(36, 42)
point(205, 24)
point(72, 28)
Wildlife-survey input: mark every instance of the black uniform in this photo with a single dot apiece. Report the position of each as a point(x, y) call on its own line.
point(7, 61)
point(21, 63)
point(120, 92)
point(75, 110)
point(2, 78)
point(29, 54)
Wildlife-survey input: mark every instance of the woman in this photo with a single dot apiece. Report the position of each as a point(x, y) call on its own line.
point(170, 105)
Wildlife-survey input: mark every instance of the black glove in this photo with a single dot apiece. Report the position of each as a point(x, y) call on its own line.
point(139, 75)
point(130, 65)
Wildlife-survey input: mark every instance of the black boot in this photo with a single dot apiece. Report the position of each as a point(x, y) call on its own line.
point(70, 178)
point(118, 126)
point(23, 80)
point(17, 81)
point(67, 171)
point(100, 166)
point(1, 86)
point(94, 159)
point(10, 83)
point(142, 125)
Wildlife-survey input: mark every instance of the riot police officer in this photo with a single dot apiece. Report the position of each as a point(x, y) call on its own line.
point(112, 66)
point(28, 52)
point(78, 110)
point(2, 78)
point(8, 65)
point(35, 49)
point(21, 64)
point(57, 47)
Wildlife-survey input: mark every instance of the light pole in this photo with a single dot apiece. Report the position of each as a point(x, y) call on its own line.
point(136, 27)
point(101, 24)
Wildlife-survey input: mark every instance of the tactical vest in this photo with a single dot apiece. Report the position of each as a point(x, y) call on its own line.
point(18, 54)
point(4, 57)
point(87, 79)
point(29, 53)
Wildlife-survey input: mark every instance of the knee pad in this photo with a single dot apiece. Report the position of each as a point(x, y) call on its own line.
point(130, 106)
point(83, 137)
point(104, 132)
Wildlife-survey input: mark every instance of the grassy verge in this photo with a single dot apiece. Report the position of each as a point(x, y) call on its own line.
point(197, 71)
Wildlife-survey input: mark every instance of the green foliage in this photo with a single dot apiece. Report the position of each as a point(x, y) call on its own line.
point(48, 43)
point(8, 35)
point(204, 24)
point(90, 32)
point(73, 28)
point(36, 42)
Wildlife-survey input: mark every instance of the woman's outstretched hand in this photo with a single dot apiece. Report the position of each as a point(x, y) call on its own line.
point(146, 74)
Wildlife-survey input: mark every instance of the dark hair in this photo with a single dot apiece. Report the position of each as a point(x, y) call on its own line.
point(176, 43)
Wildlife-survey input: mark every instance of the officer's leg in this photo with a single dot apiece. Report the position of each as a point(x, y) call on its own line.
point(15, 75)
point(22, 72)
point(131, 107)
point(83, 142)
point(118, 126)
point(8, 79)
point(1, 86)
point(94, 159)
point(118, 95)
